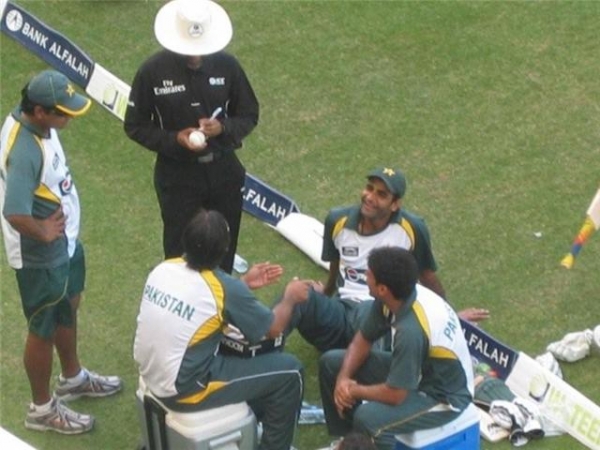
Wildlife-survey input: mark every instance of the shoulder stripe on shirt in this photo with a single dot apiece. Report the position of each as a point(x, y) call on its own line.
point(422, 318)
point(339, 225)
point(216, 287)
point(12, 137)
point(406, 226)
point(213, 324)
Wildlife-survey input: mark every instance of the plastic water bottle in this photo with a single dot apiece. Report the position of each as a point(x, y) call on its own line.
point(311, 414)
point(240, 265)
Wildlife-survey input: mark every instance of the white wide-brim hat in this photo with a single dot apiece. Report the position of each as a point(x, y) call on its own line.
point(193, 27)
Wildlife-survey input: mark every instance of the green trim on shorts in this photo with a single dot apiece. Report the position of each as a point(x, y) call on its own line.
point(46, 293)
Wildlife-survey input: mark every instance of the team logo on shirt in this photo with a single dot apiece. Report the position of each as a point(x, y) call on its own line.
point(55, 161)
point(350, 251)
point(355, 276)
point(66, 185)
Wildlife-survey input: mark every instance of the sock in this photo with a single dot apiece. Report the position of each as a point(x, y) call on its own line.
point(42, 409)
point(73, 381)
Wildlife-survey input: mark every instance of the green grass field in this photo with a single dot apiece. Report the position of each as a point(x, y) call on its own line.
point(492, 109)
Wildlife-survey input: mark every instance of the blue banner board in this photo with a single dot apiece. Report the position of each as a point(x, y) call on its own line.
point(266, 203)
point(47, 44)
point(487, 349)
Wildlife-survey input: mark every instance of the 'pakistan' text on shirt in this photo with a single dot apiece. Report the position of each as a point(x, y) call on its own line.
point(168, 302)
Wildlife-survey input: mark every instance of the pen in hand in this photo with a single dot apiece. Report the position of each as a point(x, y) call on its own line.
point(212, 127)
point(216, 112)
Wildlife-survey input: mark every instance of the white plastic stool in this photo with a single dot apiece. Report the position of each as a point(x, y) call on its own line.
point(460, 434)
point(229, 427)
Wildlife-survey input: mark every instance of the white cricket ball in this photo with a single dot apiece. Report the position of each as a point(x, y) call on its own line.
point(197, 138)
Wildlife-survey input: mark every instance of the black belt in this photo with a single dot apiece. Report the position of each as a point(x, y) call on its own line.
point(237, 347)
point(210, 157)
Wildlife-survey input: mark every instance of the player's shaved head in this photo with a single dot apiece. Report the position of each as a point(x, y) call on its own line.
point(205, 240)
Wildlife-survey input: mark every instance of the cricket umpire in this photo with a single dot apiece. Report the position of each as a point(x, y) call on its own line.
point(192, 84)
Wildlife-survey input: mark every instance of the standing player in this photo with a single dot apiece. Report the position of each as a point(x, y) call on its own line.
point(40, 224)
point(192, 84)
point(333, 313)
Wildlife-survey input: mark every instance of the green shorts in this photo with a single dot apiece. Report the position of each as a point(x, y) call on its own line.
point(46, 293)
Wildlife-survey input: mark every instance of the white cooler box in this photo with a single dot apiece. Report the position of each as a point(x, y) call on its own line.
point(229, 427)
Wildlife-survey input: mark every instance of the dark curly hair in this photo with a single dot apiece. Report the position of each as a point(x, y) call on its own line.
point(205, 240)
point(395, 268)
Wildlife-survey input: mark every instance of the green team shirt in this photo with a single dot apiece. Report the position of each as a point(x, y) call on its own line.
point(429, 351)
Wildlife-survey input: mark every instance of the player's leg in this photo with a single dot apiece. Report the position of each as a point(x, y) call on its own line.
point(374, 371)
point(66, 331)
point(66, 348)
point(417, 412)
point(323, 321)
point(74, 380)
point(42, 291)
point(38, 366)
point(279, 399)
point(329, 367)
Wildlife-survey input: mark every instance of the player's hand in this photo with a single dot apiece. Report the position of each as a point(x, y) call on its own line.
point(183, 139)
point(262, 274)
point(54, 225)
point(474, 314)
point(210, 127)
point(297, 291)
point(318, 286)
point(342, 396)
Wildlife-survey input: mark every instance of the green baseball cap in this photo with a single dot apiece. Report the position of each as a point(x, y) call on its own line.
point(52, 89)
point(393, 178)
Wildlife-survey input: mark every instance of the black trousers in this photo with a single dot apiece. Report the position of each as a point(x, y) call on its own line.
point(217, 186)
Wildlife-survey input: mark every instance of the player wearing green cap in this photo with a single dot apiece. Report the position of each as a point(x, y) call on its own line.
point(332, 313)
point(40, 225)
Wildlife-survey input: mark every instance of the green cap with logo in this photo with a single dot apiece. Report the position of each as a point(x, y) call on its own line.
point(52, 89)
point(393, 178)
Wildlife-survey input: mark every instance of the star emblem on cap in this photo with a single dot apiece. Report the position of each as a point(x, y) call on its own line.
point(70, 90)
point(389, 172)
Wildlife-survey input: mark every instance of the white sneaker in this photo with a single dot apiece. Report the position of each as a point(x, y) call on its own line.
point(93, 385)
point(60, 419)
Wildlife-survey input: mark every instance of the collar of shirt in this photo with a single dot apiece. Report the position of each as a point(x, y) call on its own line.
point(406, 307)
point(17, 114)
point(354, 218)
